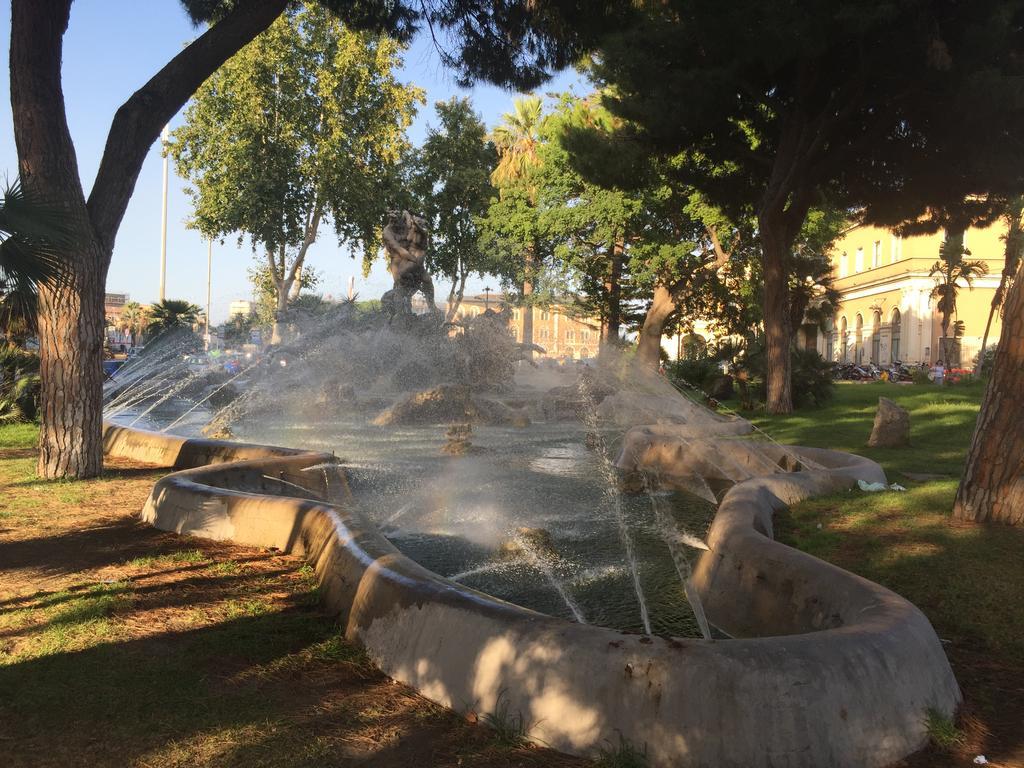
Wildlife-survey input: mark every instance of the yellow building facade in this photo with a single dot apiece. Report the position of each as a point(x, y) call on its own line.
point(888, 311)
point(562, 335)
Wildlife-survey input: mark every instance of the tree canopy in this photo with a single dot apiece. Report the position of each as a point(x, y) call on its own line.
point(450, 180)
point(906, 111)
point(305, 124)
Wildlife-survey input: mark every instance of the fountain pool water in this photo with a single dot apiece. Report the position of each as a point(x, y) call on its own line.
point(465, 516)
point(532, 514)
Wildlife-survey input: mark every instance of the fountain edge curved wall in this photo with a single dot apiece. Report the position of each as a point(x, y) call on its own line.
point(841, 674)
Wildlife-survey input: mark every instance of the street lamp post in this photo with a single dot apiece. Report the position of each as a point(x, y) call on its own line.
point(164, 136)
point(487, 298)
point(209, 283)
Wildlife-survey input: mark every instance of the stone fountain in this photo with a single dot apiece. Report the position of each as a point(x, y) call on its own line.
point(618, 536)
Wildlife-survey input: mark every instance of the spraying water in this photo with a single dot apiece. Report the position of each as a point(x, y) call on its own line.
point(612, 494)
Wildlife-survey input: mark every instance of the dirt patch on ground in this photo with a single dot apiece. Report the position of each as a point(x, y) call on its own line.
point(123, 645)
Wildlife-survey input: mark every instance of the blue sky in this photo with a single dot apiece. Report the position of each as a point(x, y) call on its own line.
point(112, 47)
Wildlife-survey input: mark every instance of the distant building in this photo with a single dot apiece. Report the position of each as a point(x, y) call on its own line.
point(561, 334)
point(113, 305)
point(888, 311)
point(239, 307)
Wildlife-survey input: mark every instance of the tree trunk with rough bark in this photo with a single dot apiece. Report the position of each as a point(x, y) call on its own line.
point(455, 295)
point(613, 292)
point(992, 486)
point(71, 335)
point(777, 331)
point(527, 305)
point(663, 305)
point(71, 316)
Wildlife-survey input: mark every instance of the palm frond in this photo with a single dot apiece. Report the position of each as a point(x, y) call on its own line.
point(32, 232)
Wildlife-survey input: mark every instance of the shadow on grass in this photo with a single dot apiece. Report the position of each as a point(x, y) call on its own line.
point(49, 598)
point(92, 547)
point(968, 579)
point(116, 473)
point(278, 690)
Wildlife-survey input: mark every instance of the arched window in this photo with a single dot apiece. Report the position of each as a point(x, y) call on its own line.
point(896, 323)
point(876, 338)
point(844, 335)
point(858, 340)
point(694, 346)
point(830, 339)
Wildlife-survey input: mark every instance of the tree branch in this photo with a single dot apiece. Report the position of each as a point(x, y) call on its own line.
point(138, 121)
point(46, 154)
point(312, 225)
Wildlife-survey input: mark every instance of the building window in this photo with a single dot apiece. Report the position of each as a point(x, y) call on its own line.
point(858, 340)
point(876, 254)
point(876, 338)
point(843, 264)
point(894, 254)
point(544, 315)
point(859, 263)
point(895, 343)
point(570, 335)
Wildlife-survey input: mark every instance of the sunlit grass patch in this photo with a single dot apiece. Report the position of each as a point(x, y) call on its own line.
point(19, 436)
point(181, 557)
point(74, 620)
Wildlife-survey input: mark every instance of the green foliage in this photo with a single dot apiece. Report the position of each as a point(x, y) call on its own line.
point(984, 361)
point(238, 329)
point(134, 319)
point(950, 270)
point(812, 379)
point(32, 232)
point(265, 289)
point(942, 730)
point(305, 123)
point(701, 373)
point(811, 375)
point(622, 755)
point(510, 730)
point(173, 314)
point(451, 183)
point(19, 384)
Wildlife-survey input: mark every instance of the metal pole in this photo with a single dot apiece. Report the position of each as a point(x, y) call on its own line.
point(164, 136)
point(209, 283)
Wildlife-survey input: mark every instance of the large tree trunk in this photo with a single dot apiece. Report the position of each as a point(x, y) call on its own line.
point(455, 296)
point(71, 333)
point(777, 331)
point(992, 486)
point(613, 293)
point(71, 315)
point(648, 351)
point(527, 305)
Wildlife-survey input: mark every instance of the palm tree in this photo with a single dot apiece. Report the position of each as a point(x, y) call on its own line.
point(30, 231)
point(516, 139)
point(133, 320)
point(170, 314)
point(1014, 239)
point(951, 269)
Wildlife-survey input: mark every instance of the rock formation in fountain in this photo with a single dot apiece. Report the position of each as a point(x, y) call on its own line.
point(450, 403)
point(458, 440)
point(405, 241)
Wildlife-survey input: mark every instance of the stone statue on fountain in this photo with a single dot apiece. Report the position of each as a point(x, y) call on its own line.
point(405, 241)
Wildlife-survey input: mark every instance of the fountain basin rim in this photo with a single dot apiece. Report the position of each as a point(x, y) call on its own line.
point(848, 695)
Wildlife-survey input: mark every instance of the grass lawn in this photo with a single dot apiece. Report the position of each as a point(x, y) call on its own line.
point(967, 578)
point(121, 645)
